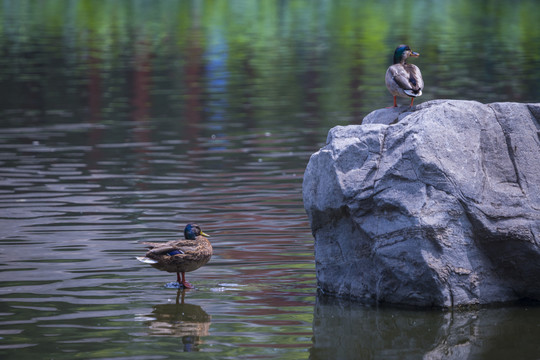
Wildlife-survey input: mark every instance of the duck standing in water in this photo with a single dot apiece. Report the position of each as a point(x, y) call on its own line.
point(180, 256)
point(404, 79)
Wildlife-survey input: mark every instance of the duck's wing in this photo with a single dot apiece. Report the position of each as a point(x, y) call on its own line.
point(161, 250)
point(415, 77)
point(177, 246)
point(399, 76)
point(407, 77)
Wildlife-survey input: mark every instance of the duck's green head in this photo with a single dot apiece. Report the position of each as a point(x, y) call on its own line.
point(402, 53)
point(191, 231)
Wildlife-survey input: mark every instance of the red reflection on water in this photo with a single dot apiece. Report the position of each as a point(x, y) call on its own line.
point(141, 90)
point(141, 105)
point(194, 71)
point(95, 91)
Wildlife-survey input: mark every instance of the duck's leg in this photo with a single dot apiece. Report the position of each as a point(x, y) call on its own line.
point(395, 103)
point(412, 100)
point(184, 282)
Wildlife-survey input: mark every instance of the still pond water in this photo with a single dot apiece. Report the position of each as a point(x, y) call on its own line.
point(121, 121)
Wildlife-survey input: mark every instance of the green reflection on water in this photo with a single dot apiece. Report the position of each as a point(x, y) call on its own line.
point(261, 59)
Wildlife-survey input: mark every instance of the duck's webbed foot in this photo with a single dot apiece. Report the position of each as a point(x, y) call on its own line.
point(187, 285)
point(183, 281)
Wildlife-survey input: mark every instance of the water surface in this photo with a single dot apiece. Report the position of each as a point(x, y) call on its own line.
point(122, 121)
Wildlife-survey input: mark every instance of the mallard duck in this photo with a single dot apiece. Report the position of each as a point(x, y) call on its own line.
point(404, 79)
point(180, 256)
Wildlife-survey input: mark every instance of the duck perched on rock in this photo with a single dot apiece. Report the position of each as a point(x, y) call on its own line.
point(404, 79)
point(180, 256)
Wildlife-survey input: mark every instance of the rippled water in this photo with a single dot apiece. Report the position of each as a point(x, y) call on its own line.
point(75, 203)
point(123, 121)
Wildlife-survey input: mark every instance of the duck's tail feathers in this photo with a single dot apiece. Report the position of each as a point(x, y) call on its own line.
point(151, 245)
point(411, 93)
point(146, 260)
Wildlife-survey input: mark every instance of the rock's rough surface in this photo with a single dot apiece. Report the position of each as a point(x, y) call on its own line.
point(440, 208)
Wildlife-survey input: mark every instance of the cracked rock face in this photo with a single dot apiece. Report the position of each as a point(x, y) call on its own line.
point(438, 205)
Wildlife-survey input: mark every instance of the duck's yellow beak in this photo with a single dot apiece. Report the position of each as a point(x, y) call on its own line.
point(415, 54)
point(204, 234)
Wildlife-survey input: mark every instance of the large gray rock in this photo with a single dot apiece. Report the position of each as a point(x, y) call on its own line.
point(440, 208)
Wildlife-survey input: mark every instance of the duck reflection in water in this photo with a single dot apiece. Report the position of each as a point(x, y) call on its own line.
point(190, 322)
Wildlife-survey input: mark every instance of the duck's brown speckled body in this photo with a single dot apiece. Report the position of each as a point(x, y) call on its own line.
point(180, 256)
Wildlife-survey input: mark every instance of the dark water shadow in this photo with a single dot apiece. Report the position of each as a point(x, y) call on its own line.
point(186, 321)
point(346, 330)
